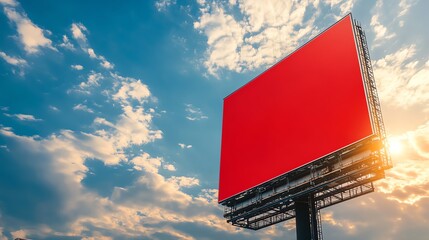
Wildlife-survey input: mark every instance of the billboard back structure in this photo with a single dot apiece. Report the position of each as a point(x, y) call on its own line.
point(310, 126)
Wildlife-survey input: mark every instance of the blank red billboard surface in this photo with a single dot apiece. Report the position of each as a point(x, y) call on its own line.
point(308, 105)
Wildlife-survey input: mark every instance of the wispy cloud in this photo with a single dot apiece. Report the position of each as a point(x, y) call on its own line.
point(5, 148)
point(405, 5)
point(132, 127)
point(106, 64)
point(23, 117)
point(16, 61)
point(11, 3)
point(103, 62)
point(184, 182)
point(91, 53)
point(400, 70)
point(162, 5)
point(183, 146)
point(92, 80)
point(53, 108)
point(77, 67)
point(193, 113)
point(66, 43)
point(381, 32)
point(78, 32)
point(31, 36)
point(82, 107)
point(344, 6)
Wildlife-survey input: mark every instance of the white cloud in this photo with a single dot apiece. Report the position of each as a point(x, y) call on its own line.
point(11, 3)
point(169, 167)
point(16, 61)
point(183, 182)
point(4, 147)
point(133, 127)
point(30, 35)
point(260, 35)
point(78, 31)
point(77, 67)
point(19, 234)
point(162, 5)
point(344, 6)
point(53, 108)
point(154, 200)
point(193, 113)
point(23, 117)
point(82, 107)
point(66, 43)
point(146, 162)
point(402, 80)
point(71, 149)
point(62, 158)
point(405, 5)
point(103, 62)
point(131, 89)
point(380, 30)
point(225, 35)
point(92, 80)
point(153, 187)
point(183, 146)
point(91, 53)
point(107, 65)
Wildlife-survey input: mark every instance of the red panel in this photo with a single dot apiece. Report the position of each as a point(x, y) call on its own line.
point(310, 104)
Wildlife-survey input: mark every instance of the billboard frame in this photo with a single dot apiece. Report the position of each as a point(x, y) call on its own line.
point(334, 178)
point(368, 106)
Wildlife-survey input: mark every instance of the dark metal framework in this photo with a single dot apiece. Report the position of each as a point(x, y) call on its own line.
point(338, 177)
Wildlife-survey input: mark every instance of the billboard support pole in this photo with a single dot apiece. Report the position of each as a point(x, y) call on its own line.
point(307, 224)
point(302, 211)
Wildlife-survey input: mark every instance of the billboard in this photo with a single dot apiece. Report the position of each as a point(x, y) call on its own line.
point(310, 104)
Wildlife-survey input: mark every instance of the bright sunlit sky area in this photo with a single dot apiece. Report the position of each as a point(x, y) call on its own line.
point(111, 114)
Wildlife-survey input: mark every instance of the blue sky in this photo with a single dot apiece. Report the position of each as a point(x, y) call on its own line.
point(110, 114)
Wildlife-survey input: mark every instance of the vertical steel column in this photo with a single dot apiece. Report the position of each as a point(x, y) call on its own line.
point(302, 211)
point(306, 218)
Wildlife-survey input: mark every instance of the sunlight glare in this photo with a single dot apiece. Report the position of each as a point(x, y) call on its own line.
point(395, 146)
